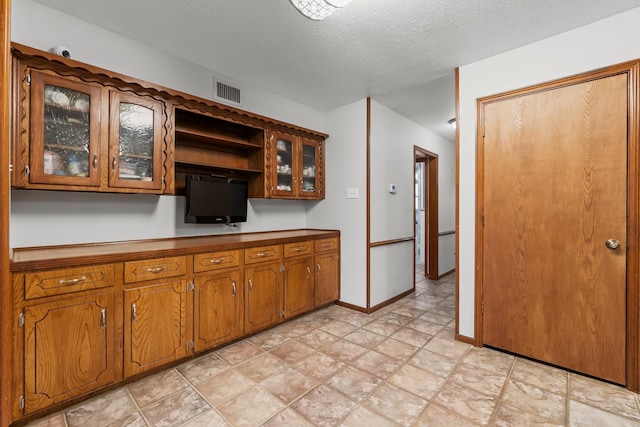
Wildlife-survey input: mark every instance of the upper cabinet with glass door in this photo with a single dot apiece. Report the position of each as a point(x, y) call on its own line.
point(295, 167)
point(78, 130)
point(65, 132)
point(135, 154)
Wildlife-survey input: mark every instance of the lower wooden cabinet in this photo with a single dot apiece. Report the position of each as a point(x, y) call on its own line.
point(218, 309)
point(69, 349)
point(298, 286)
point(84, 327)
point(155, 330)
point(327, 278)
point(263, 299)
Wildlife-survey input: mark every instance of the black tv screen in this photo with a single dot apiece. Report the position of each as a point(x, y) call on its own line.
point(213, 200)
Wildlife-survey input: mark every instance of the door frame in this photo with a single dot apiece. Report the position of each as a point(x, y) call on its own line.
point(6, 309)
point(632, 69)
point(430, 196)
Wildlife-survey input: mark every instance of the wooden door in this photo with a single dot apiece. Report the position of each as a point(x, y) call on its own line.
point(298, 286)
point(555, 191)
point(263, 296)
point(281, 156)
point(310, 173)
point(135, 142)
point(327, 278)
point(218, 309)
point(155, 326)
point(69, 349)
point(65, 131)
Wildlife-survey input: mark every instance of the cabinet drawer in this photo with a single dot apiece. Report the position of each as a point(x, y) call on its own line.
point(150, 269)
point(296, 249)
point(326, 244)
point(215, 260)
point(262, 253)
point(54, 282)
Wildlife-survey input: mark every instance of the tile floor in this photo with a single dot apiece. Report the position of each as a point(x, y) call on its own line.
point(336, 367)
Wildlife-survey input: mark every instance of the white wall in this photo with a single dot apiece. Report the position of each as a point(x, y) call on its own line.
point(606, 42)
point(346, 167)
point(393, 138)
point(44, 218)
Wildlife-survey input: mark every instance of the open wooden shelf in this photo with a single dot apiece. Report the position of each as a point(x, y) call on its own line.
point(212, 132)
point(208, 145)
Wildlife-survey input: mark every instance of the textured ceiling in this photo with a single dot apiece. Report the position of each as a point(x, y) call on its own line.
point(402, 53)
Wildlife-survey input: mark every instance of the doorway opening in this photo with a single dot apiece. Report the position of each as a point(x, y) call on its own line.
point(426, 212)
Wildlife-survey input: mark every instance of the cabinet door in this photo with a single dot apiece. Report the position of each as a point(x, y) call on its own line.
point(298, 286)
point(283, 162)
point(135, 142)
point(154, 326)
point(310, 173)
point(64, 131)
point(327, 278)
point(69, 349)
point(218, 309)
point(263, 296)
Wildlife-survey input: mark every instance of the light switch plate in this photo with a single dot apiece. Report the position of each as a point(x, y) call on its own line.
point(353, 193)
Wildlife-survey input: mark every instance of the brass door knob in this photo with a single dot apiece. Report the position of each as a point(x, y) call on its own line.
point(612, 244)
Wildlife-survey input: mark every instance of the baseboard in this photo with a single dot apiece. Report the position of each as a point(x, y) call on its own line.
point(352, 307)
point(376, 307)
point(467, 340)
point(446, 274)
point(391, 300)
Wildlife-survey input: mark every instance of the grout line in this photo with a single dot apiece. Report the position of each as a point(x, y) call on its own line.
point(567, 414)
point(494, 413)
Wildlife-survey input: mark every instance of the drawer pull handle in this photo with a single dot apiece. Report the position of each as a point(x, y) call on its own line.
point(233, 285)
point(297, 249)
point(72, 281)
point(262, 254)
point(250, 285)
point(103, 318)
point(134, 312)
point(156, 269)
point(217, 261)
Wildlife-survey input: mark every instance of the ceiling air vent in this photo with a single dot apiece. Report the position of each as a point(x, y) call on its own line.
point(226, 92)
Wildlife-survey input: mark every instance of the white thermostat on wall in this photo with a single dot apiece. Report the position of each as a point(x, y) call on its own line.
point(392, 188)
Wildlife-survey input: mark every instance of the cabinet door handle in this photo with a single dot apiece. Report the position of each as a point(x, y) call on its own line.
point(156, 269)
point(250, 285)
point(134, 312)
point(318, 268)
point(113, 163)
point(95, 162)
point(72, 281)
point(103, 318)
point(308, 272)
point(233, 285)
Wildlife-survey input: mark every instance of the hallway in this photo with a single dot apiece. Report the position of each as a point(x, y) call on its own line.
point(337, 367)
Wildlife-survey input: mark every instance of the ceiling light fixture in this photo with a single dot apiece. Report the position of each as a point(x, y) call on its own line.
point(452, 123)
point(318, 9)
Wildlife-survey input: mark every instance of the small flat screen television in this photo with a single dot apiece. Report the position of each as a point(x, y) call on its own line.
point(215, 200)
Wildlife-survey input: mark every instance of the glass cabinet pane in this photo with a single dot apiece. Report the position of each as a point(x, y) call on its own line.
point(308, 168)
point(136, 142)
point(66, 132)
point(284, 165)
